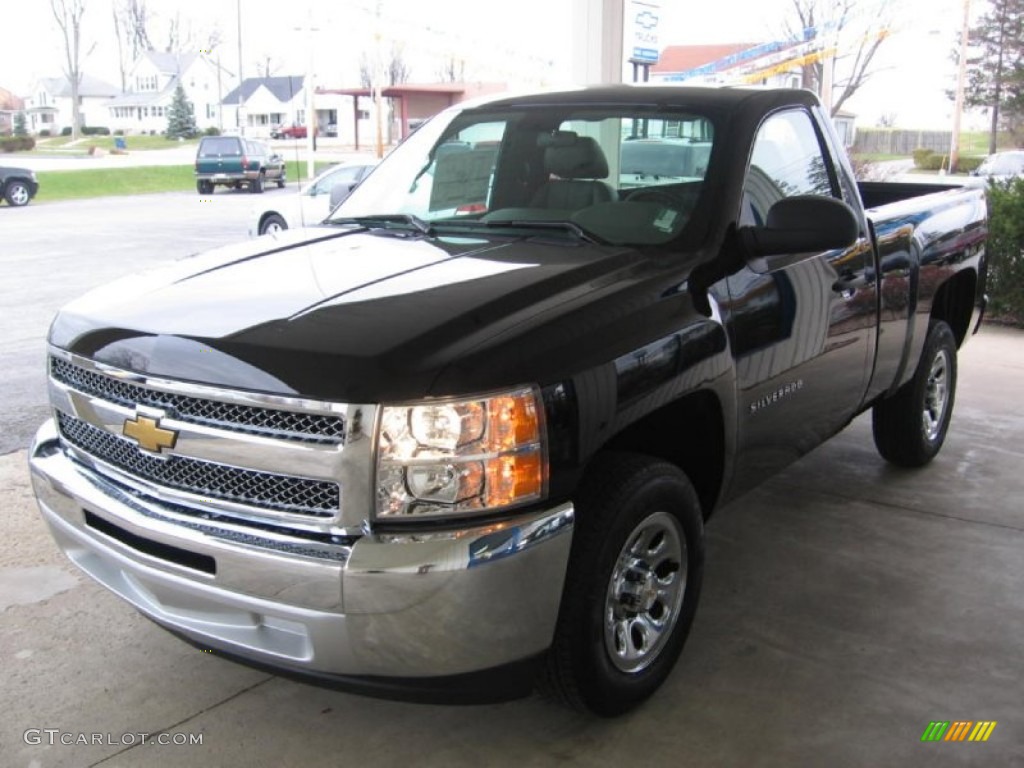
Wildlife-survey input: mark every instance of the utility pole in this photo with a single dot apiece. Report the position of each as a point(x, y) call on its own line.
point(377, 75)
point(311, 121)
point(958, 106)
point(241, 97)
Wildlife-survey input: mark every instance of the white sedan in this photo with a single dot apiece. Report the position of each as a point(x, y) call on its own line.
point(310, 206)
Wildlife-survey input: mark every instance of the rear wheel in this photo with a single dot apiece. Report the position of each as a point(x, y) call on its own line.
point(910, 427)
point(204, 187)
point(281, 181)
point(256, 185)
point(632, 588)
point(272, 223)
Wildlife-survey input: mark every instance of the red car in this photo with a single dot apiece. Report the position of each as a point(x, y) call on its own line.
point(289, 132)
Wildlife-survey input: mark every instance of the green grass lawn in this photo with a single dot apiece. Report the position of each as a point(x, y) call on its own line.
point(132, 180)
point(132, 143)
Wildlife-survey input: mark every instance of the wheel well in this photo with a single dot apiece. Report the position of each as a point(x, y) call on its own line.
point(688, 433)
point(954, 303)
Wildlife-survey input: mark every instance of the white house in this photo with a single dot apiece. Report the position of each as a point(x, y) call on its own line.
point(48, 107)
point(265, 102)
point(154, 77)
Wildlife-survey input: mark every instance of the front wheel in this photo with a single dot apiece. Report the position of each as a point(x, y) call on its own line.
point(17, 194)
point(632, 588)
point(910, 427)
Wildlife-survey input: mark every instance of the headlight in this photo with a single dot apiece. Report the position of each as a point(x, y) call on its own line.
point(460, 457)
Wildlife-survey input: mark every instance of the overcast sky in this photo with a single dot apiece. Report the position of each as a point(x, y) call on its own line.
point(523, 42)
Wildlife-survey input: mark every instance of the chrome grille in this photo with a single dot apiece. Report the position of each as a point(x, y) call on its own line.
point(244, 486)
point(270, 422)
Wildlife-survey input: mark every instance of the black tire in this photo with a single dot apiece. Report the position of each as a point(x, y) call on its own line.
point(638, 519)
point(256, 185)
point(204, 187)
point(17, 194)
point(281, 181)
point(910, 427)
point(272, 223)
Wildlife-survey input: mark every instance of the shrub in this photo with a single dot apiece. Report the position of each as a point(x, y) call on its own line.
point(65, 131)
point(213, 130)
point(95, 130)
point(17, 144)
point(1005, 250)
point(119, 131)
point(45, 133)
point(921, 155)
point(935, 162)
point(968, 164)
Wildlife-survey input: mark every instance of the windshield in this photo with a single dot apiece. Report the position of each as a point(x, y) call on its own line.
point(628, 175)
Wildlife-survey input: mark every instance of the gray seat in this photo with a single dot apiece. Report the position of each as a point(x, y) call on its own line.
point(578, 163)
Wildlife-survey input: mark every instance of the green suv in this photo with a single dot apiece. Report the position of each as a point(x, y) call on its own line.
point(232, 161)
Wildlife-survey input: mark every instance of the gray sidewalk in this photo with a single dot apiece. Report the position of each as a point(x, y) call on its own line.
point(846, 605)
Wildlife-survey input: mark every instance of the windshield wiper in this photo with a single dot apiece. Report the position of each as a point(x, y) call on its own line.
point(559, 224)
point(377, 219)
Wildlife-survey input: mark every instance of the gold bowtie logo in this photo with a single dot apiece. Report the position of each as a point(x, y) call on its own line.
point(148, 433)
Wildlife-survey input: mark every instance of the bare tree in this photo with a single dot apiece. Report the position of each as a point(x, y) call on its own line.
point(452, 70)
point(397, 70)
point(68, 14)
point(122, 63)
point(365, 70)
point(887, 120)
point(136, 19)
point(858, 29)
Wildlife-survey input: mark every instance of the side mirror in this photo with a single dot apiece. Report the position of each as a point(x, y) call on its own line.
point(340, 191)
point(798, 227)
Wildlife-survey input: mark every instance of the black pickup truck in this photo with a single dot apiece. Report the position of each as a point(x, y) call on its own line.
point(464, 437)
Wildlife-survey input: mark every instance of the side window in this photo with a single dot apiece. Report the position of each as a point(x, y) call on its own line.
point(786, 160)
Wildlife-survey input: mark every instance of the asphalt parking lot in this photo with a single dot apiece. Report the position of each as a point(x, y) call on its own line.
point(846, 605)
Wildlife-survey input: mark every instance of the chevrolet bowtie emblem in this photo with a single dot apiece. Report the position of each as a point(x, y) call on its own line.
point(148, 434)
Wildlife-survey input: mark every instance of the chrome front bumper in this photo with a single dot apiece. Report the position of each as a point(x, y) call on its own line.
point(395, 606)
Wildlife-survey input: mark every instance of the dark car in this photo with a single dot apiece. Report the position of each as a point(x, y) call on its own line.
point(18, 185)
point(232, 161)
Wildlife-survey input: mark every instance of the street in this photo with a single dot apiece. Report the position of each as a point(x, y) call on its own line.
point(51, 253)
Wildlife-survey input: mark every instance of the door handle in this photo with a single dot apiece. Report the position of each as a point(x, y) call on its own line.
point(846, 284)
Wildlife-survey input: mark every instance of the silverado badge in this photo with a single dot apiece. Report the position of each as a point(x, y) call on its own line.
point(148, 433)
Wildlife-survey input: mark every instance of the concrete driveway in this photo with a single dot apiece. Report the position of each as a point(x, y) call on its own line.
point(846, 605)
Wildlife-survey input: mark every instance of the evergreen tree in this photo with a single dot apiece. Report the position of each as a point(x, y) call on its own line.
point(995, 70)
point(181, 120)
point(20, 128)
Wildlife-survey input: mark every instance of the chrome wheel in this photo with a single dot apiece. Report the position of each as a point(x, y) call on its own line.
point(17, 194)
point(645, 592)
point(936, 395)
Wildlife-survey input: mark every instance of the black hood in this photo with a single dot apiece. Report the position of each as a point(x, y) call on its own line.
point(367, 317)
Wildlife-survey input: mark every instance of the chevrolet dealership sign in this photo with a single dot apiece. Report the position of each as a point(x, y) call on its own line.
point(641, 29)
